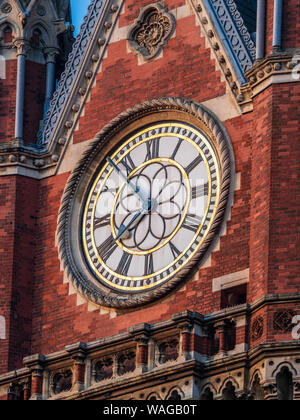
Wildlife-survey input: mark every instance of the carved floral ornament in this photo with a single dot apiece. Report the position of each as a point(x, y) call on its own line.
point(6, 8)
point(152, 31)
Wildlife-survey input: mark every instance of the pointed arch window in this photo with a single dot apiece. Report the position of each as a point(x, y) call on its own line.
point(284, 382)
point(36, 37)
point(8, 35)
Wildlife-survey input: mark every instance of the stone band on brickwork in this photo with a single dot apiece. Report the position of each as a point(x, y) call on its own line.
point(73, 265)
point(109, 368)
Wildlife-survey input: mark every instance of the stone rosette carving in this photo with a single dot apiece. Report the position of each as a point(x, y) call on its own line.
point(257, 328)
point(62, 381)
point(103, 369)
point(283, 321)
point(6, 8)
point(168, 351)
point(151, 31)
point(126, 363)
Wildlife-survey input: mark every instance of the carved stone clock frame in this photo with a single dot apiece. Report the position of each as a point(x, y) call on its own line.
point(70, 213)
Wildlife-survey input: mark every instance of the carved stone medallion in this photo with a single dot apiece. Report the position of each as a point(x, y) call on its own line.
point(151, 31)
point(6, 8)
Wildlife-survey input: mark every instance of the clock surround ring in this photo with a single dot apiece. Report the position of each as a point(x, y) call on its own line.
point(163, 109)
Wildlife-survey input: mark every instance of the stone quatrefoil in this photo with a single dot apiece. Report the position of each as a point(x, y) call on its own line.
point(151, 31)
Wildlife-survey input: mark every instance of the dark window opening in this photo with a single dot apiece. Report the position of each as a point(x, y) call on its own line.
point(234, 296)
point(36, 37)
point(284, 382)
point(7, 35)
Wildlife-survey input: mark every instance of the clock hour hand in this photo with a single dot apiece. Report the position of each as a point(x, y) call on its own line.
point(146, 201)
point(124, 228)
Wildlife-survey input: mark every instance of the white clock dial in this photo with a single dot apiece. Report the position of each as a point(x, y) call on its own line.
point(150, 207)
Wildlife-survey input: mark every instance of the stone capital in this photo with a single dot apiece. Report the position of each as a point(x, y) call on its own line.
point(22, 46)
point(50, 54)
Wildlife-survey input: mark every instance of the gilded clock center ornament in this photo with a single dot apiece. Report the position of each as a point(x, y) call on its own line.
point(146, 202)
point(158, 216)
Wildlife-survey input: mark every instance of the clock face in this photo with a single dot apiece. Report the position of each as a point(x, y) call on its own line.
point(150, 207)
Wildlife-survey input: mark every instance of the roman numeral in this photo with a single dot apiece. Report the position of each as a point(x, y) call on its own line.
point(124, 264)
point(200, 191)
point(176, 149)
point(149, 266)
point(193, 164)
point(192, 222)
point(100, 222)
point(128, 163)
point(174, 250)
point(152, 149)
point(107, 248)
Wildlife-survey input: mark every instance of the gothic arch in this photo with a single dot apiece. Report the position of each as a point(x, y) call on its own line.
point(286, 364)
point(229, 391)
point(256, 389)
point(175, 393)
point(206, 393)
point(285, 386)
point(226, 381)
point(258, 373)
point(48, 40)
point(153, 396)
point(4, 23)
point(210, 386)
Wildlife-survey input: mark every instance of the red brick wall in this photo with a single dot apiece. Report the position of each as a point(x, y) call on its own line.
point(261, 233)
point(260, 195)
point(291, 24)
point(275, 234)
point(7, 220)
point(35, 85)
point(17, 236)
point(284, 216)
point(121, 84)
point(8, 102)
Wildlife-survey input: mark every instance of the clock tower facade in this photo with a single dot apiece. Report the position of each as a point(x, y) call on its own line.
point(157, 256)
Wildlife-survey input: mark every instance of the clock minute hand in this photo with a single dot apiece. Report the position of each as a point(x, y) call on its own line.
point(136, 218)
point(145, 200)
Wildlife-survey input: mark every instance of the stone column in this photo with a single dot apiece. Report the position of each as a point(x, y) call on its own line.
point(22, 49)
point(141, 334)
point(37, 383)
point(185, 331)
point(50, 56)
point(221, 331)
point(36, 365)
point(142, 361)
point(78, 354)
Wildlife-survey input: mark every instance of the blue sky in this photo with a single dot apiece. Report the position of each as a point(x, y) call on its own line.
point(79, 10)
